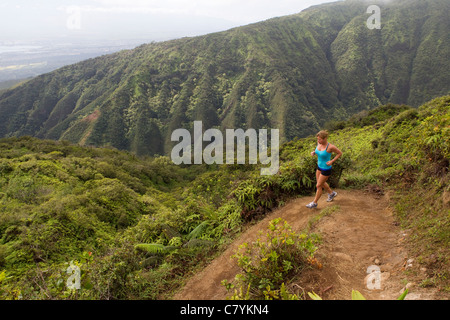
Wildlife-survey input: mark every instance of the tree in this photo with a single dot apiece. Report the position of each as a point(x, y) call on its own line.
point(207, 103)
point(147, 139)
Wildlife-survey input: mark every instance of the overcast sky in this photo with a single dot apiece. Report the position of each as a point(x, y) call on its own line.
point(24, 20)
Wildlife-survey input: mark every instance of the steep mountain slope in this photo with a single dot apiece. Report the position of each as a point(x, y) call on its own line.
point(293, 73)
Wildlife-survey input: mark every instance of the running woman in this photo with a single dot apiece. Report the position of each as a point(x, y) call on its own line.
point(323, 152)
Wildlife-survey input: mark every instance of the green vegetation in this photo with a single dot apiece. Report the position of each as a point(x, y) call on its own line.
point(60, 201)
point(268, 262)
point(294, 73)
point(134, 226)
point(393, 147)
point(138, 227)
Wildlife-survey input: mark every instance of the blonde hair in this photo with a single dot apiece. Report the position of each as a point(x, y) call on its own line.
point(323, 134)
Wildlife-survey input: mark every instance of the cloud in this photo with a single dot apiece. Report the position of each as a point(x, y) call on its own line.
point(131, 18)
point(243, 11)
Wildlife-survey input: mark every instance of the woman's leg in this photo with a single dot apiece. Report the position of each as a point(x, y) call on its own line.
point(327, 187)
point(321, 182)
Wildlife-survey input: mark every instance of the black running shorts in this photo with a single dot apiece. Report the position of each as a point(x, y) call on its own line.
point(324, 172)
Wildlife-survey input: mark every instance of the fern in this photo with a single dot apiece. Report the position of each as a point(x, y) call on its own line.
point(290, 185)
point(247, 194)
point(306, 181)
point(154, 248)
point(198, 231)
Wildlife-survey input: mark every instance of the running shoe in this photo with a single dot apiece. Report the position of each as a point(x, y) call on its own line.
point(312, 205)
point(331, 196)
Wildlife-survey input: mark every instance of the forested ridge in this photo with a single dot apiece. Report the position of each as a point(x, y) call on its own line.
point(293, 73)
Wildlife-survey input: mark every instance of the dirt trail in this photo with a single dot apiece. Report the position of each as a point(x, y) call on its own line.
point(360, 234)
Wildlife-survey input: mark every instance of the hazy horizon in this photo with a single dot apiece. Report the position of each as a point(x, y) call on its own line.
point(40, 36)
point(24, 21)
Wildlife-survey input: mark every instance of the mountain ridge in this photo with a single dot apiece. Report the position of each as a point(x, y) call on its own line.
point(293, 73)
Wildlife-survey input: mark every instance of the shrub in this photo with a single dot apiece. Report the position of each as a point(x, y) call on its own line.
point(267, 264)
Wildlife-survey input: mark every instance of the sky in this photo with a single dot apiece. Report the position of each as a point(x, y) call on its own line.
point(22, 21)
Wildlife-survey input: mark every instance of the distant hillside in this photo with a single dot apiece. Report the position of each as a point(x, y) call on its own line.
point(293, 73)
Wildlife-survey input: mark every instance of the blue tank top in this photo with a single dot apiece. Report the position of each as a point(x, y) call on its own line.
point(322, 158)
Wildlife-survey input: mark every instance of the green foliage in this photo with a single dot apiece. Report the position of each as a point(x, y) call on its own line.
point(153, 248)
point(369, 117)
point(136, 226)
point(314, 296)
point(198, 231)
point(436, 128)
point(267, 263)
point(60, 200)
point(403, 295)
